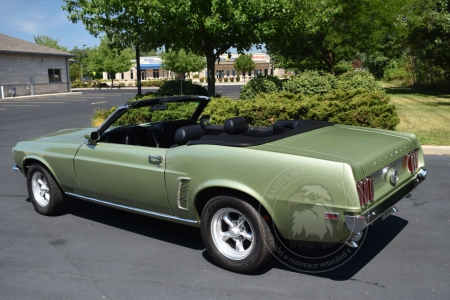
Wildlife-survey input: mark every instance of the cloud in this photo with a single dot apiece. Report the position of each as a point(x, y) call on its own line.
point(40, 17)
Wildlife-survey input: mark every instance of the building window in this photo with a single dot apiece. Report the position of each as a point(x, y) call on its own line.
point(265, 72)
point(131, 74)
point(144, 75)
point(233, 72)
point(228, 73)
point(250, 74)
point(54, 75)
point(155, 73)
point(122, 76)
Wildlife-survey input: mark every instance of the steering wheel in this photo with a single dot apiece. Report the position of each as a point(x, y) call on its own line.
point(140, 136)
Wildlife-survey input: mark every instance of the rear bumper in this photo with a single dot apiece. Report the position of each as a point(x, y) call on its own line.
point(357, 223)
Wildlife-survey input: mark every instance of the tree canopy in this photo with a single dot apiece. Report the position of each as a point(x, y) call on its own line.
point(203, 27)
point(49, 42)
point(105, 59)
point(244, 63)
point(182, 62)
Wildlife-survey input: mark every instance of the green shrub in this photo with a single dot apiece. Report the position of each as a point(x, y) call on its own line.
point(310, 83)
point(220, 79)
point(130, 84)
point(195, 76)
point(202, 79)
point(342, 68)
point(238, 79)
point(359, 80)
point(231, 79)
point(350, 108)
point(262, 84)
point(225, 79)
point(181, 87)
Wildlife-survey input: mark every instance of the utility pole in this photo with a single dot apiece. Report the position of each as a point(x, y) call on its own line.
point(81, 63)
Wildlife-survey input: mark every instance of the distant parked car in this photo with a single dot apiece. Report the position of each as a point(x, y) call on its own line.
point(316, 181)
point(85, 79)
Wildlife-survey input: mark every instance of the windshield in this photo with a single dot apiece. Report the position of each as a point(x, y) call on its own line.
point(169, 111)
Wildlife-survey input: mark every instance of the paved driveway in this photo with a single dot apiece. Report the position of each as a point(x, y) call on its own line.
point(95, 252)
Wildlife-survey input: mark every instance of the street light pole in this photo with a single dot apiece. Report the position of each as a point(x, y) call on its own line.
point(81, 63)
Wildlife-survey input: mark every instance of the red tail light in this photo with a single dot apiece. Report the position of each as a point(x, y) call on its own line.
point(365, 190)
point(411, 162)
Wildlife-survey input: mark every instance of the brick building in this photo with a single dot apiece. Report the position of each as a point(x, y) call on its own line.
point(23, 63)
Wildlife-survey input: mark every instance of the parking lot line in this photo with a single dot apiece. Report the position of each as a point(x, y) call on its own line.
point(98, 102)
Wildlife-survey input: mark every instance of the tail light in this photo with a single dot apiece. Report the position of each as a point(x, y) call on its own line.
point(365, 190)
point(411, 162)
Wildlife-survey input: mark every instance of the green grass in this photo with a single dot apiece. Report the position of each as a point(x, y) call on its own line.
point(425, 114)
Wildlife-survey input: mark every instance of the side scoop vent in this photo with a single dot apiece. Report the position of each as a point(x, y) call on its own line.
point(183, 189)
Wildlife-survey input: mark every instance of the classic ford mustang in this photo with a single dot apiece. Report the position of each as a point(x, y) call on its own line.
point(304, 180)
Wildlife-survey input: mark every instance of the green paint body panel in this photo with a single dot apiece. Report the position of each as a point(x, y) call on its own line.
point(291, 177)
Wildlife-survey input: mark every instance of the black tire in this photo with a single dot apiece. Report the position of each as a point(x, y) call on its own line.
point(247, 223)
point(44, 192)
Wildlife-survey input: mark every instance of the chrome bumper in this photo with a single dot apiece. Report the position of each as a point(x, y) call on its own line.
point(357, 223)
point(16, 168)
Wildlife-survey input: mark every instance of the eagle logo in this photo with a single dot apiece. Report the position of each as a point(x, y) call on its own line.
point(308, 205)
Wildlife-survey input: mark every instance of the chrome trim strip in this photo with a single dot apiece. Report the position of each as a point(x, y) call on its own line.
point(133, 209)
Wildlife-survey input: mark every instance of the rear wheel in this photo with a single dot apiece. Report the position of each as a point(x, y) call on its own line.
point(235, 234)
point(44, 192)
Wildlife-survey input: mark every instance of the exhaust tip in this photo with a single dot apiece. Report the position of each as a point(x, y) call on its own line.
point(351, 244)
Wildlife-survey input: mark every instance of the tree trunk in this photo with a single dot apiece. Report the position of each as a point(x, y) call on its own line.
point(211, 70)
point(138, 71)
point(112, 78)
point(328, 58)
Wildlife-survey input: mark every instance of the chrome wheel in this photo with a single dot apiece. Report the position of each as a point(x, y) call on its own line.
point(232, 233)
point(41, 191)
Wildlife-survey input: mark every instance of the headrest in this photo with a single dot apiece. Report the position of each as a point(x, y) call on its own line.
point(235, 125)
point(186, 133)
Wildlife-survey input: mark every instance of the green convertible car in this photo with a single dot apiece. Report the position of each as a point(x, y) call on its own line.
point(300, 180)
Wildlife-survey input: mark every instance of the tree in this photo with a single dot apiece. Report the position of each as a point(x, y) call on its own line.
point(244, 63)
point(182, 62)
point(74, 71)
point(49, 42)
point(203, 27)
point(329, 31)
point(112, 61)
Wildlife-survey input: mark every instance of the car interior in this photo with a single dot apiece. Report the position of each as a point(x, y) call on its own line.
point(234, 132)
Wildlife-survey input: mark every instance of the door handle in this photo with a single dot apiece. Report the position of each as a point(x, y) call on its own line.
point(157, 158)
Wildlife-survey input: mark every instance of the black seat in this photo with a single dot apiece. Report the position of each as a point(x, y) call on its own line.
point(187, 133)
point(236, 125)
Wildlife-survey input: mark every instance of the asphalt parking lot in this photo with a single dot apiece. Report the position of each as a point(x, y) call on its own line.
point(95, 252)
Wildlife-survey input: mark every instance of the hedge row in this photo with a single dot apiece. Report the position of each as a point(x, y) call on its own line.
point(354, 107)
point(311, 83)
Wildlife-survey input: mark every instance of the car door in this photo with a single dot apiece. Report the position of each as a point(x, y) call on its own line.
point(125, 174)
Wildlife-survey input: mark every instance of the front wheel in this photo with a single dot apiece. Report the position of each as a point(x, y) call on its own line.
point(235, 234)
point(43, 190)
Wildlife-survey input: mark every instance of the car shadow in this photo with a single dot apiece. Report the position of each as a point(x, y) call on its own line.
point(182, 235)
point(378, 237)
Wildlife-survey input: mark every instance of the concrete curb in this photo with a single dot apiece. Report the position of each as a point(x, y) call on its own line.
point(436, 150)
point(41, 95)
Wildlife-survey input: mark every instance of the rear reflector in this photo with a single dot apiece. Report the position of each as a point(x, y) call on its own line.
point(331, 216)
point(365, 191)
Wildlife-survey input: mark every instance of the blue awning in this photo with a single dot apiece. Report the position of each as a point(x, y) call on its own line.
point(150, 66)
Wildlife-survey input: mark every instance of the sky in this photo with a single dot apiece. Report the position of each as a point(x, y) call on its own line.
point(25, 19)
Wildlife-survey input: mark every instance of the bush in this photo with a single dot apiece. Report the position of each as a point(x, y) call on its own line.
point(349, 108)
point(238, 79)
point(202, 79)
point(359, 80)
point(130, 84)
point(262, 84)
point(195, 76)
point(310, 83)
point(181, 87)
point(220, 79)
point(225, 79)
point(231, 79)
point(342, 68)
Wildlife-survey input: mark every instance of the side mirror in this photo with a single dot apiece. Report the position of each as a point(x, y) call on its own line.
point(93, 136)
point(205, 119)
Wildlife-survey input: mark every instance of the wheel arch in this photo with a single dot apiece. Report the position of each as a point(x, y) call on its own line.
point(204, 195)
point(29, 160)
